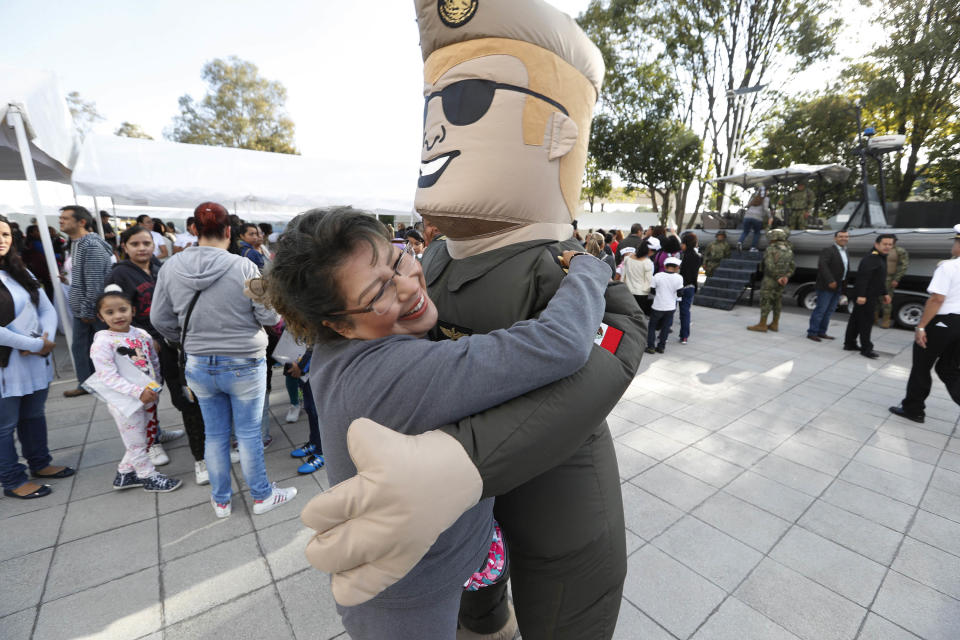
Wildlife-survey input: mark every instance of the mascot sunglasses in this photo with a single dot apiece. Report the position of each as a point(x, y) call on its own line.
point(467, 101)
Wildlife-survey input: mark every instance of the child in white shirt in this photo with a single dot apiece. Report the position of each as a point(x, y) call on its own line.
point(667, 284)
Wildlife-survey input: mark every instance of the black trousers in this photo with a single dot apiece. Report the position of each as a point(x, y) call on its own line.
point(567, 551)
point(943, 354)
point(860, 325)
point(192, 418)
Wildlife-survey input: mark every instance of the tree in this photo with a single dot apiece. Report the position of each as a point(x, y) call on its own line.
point(819, 129)
point(941, 181)
point(910, 83)
point(711, 48)
point(659, 156)
point(84, 113)
point(241, 109)
point(596, 185)
point(130, 130)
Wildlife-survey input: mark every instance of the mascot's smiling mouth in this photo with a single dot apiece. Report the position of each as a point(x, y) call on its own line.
point(431, 170)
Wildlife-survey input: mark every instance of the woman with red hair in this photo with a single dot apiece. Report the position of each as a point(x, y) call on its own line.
point(200, 290)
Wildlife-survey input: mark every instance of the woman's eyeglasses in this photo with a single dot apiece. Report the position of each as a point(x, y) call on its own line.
point(406, 265)
point(467, 101)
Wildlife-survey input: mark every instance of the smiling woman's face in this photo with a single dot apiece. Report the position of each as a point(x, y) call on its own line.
point(362, 277)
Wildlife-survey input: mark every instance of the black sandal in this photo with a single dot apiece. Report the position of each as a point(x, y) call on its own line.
point(66, 472)
point(44, 490)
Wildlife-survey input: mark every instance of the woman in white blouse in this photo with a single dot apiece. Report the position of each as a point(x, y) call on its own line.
point(27, 322)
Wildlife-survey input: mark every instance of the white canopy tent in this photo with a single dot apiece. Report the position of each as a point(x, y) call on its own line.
point(37, 142)
point(829, 173)
point(262, 185)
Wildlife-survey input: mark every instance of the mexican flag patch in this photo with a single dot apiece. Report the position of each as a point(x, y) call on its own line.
point(608, 337)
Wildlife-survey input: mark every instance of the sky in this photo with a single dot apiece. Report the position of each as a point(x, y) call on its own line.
point(352, 70)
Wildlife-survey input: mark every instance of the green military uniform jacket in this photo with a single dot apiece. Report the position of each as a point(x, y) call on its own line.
point(520, 440)
point(778, 261)
point(716, 251)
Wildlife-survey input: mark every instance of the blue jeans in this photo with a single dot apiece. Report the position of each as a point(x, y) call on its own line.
point(820, 318)
point(661, 321)
point(310, 407)
point(25, 415)
point(82, 341)
point(686, 301)
point(751, 224)
point(231, 388)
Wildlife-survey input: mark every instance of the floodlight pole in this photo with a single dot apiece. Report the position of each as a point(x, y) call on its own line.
point(15, 119)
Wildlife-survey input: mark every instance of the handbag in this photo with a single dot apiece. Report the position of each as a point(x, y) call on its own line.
point(182, 359)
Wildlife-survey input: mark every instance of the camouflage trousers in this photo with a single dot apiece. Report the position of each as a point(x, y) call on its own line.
point(884, 310)
point(771, 296)
point(710, 265)
point(798, 221)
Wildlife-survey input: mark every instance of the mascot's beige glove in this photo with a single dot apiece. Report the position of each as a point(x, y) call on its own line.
point(373, 528)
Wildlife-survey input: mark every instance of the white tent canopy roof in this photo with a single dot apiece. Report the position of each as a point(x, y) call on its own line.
point(794, 173)
point(49, 127)
point(171, 174)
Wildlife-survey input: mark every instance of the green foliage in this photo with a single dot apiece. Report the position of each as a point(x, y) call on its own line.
point(130, 130)
point(596, 185)
point(676, 59)
point(910, 83)
point(816, 130)
point(657, 155)
point(84, 113)
point(241, 109)
point(942, 178)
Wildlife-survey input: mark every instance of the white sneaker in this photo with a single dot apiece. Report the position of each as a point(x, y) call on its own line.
point(200, 471)
point(157, 455)
point(222, 510)
point(275, 499)
point(293, 413)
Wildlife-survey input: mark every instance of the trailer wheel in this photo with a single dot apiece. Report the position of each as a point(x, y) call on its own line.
point(807, 297)
point(908, 313)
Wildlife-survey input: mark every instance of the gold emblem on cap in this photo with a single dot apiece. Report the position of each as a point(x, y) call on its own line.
point(456, 13)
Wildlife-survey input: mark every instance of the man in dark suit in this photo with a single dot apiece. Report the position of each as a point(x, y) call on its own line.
point(870, 285)
point(832, 270)
point(635, 239)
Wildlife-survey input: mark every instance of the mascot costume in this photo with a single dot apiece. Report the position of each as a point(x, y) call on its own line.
point(509, 90)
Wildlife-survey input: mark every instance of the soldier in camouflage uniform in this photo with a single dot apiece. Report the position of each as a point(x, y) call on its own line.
point(799, 203)
point(897, 262)
point(778, 266)
point(716, 251)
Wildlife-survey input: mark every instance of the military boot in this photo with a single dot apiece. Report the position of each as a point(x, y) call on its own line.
point(775, 325)
point(760, 326)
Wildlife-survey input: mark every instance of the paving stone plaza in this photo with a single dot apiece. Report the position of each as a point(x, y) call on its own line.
point(768, 493)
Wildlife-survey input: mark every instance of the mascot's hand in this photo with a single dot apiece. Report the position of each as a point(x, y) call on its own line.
point(373, 528)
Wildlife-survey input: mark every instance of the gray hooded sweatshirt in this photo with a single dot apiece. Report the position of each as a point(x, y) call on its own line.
point(224, 322)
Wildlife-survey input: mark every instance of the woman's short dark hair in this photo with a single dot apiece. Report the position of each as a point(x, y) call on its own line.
point(670, 244)
point(690, 240)
point(12, 264)
point(302, 284)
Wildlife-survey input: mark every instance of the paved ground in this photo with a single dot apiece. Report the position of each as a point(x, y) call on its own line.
point(768, 494)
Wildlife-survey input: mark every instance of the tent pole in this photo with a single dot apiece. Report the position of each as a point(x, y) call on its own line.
point(16, 120)
point(96, 216)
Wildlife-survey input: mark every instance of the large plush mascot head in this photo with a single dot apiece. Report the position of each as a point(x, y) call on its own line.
point(509, 90)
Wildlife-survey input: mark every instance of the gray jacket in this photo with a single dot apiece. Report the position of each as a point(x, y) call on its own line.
point(224, 321)
point(414, 385)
